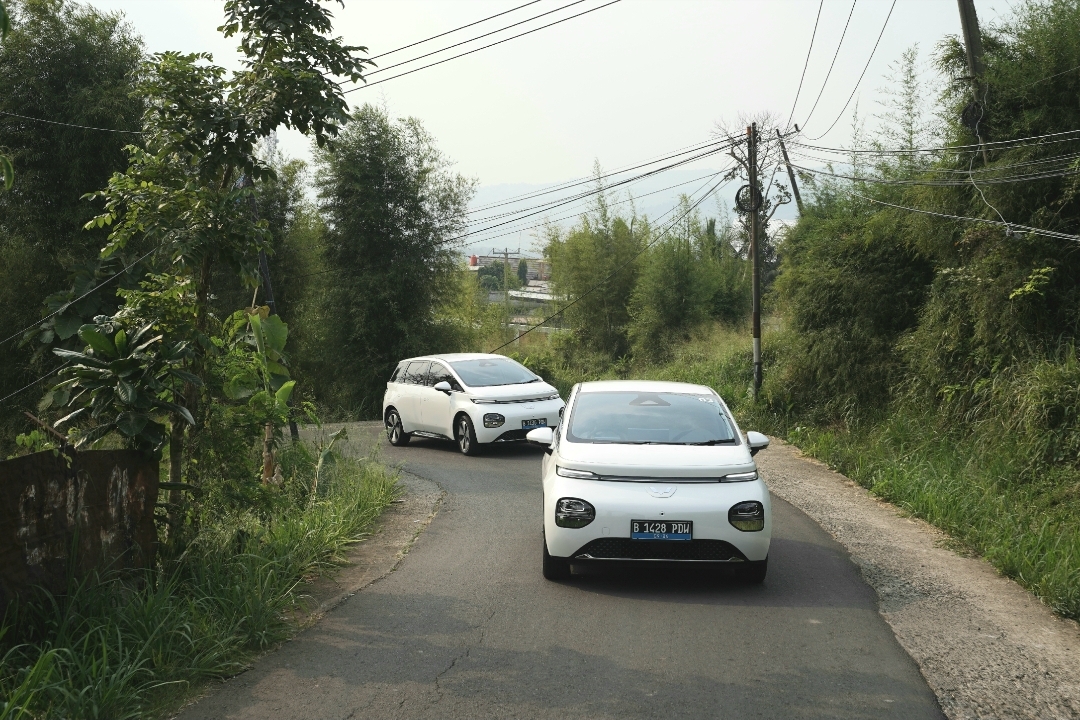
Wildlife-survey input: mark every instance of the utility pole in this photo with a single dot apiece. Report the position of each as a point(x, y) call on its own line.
point(790, 172)
point(755, 252)
point(969, 23)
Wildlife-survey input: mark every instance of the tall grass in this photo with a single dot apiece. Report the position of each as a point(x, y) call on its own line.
point(116, 646)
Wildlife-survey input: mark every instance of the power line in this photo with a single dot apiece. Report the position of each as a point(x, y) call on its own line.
point(952, 171)
point(955, 148)
point(483, 47)
point(68, 304)
point(72, 125)
point(619, 269)
point(46, 376)
point(472, 39)
point(805, 64)
point(1007, 225)
point(448, 32)
point(941, 183)
point(1048, 77)
point(832, 64)
point(865, 68)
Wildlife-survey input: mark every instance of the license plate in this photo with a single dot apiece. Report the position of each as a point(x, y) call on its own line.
point(532, 424)
point(661, 529)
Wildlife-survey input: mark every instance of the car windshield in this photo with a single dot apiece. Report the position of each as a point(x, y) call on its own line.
point(643, 418)
point(487, 372)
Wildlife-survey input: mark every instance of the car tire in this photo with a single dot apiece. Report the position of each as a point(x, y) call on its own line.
point(465, 436)
point(555, 568)
point(754, 571)
point(395, 434)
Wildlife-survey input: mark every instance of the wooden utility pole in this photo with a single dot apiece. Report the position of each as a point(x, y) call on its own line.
point(755, 252)
point(790, 172)
point(969, 23)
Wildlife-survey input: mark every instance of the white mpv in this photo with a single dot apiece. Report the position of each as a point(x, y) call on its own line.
point(470, 398)
point(642, 471)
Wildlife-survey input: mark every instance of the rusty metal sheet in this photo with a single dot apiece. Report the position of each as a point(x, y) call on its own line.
point(55, 518)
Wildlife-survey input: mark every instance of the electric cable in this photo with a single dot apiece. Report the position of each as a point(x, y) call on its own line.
point(1007, 225)
point(863, 74)
point(72, 125)
point(954, 148)
point(805, 64)
point(46, 376)
point(472, 39)
point(68, 304)
point(619, 269)
point(952, 171)
point(482, 47)
point(448, 32)
point(941, 183)
point(832, 64)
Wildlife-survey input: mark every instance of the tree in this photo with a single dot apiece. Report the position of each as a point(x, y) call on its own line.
point(523, 272)
point(72, 64)
point(599, 251)
point(392, 207)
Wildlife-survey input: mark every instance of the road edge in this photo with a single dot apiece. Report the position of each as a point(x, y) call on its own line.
point(987, 647)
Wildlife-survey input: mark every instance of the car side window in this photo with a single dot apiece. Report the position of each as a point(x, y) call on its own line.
point(439, 373)
point(399, 373)
point(417, 373)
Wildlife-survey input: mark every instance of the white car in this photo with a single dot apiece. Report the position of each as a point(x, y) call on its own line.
point(654, 472)
point(471, 398)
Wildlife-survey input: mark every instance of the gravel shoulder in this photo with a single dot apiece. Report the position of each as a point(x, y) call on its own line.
point(986, 646)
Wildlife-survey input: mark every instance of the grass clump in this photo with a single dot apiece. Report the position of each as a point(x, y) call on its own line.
point(122, 646)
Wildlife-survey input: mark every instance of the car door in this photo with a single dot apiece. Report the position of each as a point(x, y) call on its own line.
point(436, 407)
point(409, 401)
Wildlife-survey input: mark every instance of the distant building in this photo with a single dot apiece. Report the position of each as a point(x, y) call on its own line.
point(539, 269)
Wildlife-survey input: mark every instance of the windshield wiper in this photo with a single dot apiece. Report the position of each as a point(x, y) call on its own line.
point(713, 442)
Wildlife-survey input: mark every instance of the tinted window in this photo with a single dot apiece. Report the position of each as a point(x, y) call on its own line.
point(488, 372)
point(439, 373)
point(399, 373)
point(417, 373)
point(641, 418)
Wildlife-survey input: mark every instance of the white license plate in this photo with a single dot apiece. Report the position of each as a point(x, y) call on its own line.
point(533, 424)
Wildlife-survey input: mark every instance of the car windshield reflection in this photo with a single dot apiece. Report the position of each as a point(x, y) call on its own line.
point(489, 372)
point(649, 418)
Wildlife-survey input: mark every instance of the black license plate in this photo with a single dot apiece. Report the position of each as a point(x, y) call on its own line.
point(661, 530)
point(533, 424)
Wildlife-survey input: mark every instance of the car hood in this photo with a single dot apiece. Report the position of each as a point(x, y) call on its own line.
point(511, 393)
point(656, 461)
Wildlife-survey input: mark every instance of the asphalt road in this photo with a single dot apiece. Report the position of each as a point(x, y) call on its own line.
point(467, 628)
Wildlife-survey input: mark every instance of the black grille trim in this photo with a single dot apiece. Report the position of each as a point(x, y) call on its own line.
point(511, 435)
point(668, 550)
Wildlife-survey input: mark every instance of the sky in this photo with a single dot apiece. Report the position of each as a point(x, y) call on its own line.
point(628, 82)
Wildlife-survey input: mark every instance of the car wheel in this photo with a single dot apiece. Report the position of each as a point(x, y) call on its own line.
point(466, 436)
point(555, 568)
point(394, 432)
point(754, 571)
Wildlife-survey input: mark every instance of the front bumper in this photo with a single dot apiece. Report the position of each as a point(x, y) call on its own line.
point(617, 503)
point(514, 414)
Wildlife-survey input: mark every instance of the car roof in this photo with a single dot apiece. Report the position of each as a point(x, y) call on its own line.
point(644, 386)
point(451, 357)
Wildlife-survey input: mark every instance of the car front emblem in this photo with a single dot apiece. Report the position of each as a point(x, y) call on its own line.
point(661, 491)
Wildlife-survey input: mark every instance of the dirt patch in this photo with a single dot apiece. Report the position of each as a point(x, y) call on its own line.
point(986, 646)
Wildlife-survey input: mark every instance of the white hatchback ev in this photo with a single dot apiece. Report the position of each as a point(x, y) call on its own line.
point(470, 398)
point(652, 471)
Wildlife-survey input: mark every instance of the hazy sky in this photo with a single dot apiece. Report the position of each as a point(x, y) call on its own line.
point(625, 83)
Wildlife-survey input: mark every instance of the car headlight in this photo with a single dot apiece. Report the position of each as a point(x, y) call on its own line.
point(740, 477)
point(574, 513)
point(483, 401)
point(747, 516)
point(553, 396)
point(493, 420)
point(577, 474)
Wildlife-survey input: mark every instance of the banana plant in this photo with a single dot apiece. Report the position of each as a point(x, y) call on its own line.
point(121, 383)
point(264, 379)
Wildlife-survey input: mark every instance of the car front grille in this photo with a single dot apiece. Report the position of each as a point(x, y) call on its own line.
point(511, 435)
point(676, 550)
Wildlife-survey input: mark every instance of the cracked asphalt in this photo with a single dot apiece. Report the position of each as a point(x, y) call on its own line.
point(466, 627)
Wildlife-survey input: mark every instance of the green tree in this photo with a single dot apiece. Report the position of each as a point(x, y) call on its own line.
point(523, 272)
point(593, 266)
point(392, 206)
point(67, 63)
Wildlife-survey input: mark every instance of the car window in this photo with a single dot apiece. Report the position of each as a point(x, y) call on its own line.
point(417, 372)
point(399, 372)
point(439, 373)
point(646, 418)
point(488, 372)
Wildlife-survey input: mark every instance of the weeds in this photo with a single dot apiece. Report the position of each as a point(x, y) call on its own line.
point(117, 646)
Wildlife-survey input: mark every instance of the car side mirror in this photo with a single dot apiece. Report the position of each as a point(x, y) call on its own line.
point(541, 436)
point(756, 441)
point(443, 387)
